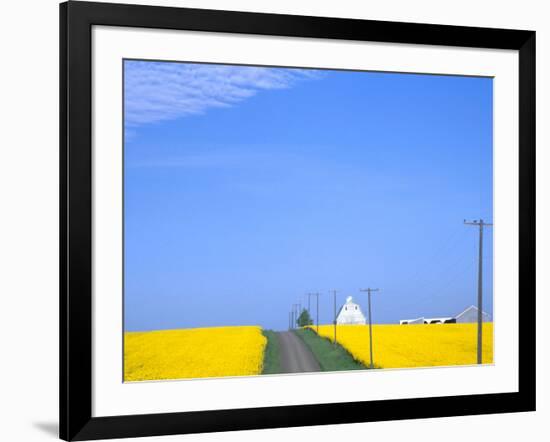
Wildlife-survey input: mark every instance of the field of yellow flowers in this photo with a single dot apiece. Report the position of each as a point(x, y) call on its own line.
point(193, 353)
point(401, 346)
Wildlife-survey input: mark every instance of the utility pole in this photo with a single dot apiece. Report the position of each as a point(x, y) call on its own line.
point(334, 297)
point(295, 309)
point(317, 296)
point(309, 295)
point(369, 290)
point(481, 224)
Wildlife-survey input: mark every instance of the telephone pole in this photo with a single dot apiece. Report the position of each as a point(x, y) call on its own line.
point(309, 295)
point(369, 290)
point(317, 296)
point(481, 224)
point(334, 297)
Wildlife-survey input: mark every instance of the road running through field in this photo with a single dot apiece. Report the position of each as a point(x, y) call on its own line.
point(295, 356)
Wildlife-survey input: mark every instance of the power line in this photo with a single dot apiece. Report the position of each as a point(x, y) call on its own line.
point(481, 224)
point(435, 288)
point(444, 245)
point(444, 272)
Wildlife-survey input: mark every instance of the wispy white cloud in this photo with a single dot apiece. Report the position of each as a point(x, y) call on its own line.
point(221, 159)
point(158, 91)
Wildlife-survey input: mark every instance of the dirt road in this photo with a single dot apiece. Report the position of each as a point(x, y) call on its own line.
point(295, 356)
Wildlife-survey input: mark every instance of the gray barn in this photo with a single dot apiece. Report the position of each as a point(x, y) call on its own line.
point(470, 315)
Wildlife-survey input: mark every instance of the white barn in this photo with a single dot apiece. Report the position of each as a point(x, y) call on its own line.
point(470, 315)
point(350, 313)
point(412, 321)
point(442, 320)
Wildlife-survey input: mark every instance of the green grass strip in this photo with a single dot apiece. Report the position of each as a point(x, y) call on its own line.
point(272, 360)
point(331, 357)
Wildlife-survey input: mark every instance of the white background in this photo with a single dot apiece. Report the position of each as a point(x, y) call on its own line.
point(29, 216)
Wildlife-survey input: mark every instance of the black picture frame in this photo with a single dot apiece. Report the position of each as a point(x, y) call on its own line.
point(76, 21)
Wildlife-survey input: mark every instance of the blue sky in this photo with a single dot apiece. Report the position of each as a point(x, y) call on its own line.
point(247, 187)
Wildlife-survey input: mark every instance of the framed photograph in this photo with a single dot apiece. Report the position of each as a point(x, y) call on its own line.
point(273, 220)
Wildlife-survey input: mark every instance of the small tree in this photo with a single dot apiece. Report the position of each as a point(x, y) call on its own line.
point(304, 319)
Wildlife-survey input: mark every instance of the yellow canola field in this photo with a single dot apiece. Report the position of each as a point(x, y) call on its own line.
point(193, 353)
point(401, 346)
